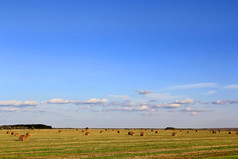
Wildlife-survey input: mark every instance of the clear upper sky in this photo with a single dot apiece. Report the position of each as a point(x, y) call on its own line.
point(127, 63)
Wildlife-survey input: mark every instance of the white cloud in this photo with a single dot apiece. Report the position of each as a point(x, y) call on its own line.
point(211, 92)
point(175, 104)
point(9, 109)
point(171, 105)
point(63, 101)
point(140, 108)
point(86, 107)
point(185, 101)
point(220, 102)
point(167, 105)
point(150, 112)
point(19, 103)
point(188, 109)
point(126, 103)
point(194, 113)
point(230, 87)
point(58, 101)
point(144, 92)
point(193, 86)
point(92, 101)
point(143, 107)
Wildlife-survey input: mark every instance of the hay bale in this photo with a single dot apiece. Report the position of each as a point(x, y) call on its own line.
point(156, 131)
point(152, 130)
point(142, 134)
point(83, 131)
point(28, 134)
point(237, 132)
point(88, 133)
point(187, 131)
point(174, 134)
point(214, 132)
point(13, 133)
point(60, 131)
point(196, 131)
point(16, 134)
point(23, 138)
point(118, 131)
point(229, 132)
point(77, 129)
point(131, 133)
point(8, 132)
point(101, 131)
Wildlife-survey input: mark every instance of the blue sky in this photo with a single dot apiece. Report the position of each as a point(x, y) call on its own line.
point(134, 63)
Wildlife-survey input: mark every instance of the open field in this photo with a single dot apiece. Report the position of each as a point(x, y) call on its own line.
point(110, 144)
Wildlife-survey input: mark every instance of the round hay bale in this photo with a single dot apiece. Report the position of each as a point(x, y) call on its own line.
point(237, 132)
point(142, 134)
point(60, 131)
point(129, 133)
point(101, 131)
point(77, 129)
point(229, 132)
point(174, 134)
point(187, 131)
point(133, 134)
point(156, 131)
point(196, 131)
point(118, 131)
point(16, 134)
point(152, 130)
point(8, 132)
point(83, 131)
point(88, 133)
point(23, 138)
point(13, 133)
point(214, 132)
point(28, 134)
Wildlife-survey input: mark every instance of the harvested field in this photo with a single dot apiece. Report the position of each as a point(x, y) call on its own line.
point(73, 144)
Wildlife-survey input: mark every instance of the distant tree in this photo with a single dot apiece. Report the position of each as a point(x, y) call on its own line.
point(170, 128)
point(26, 126)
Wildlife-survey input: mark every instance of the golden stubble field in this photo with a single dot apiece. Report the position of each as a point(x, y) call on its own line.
point(102, 143)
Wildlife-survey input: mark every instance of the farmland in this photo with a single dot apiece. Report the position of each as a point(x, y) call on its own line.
point(72, 143)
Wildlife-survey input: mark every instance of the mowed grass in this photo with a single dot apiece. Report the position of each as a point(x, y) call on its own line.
point(110, 144)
